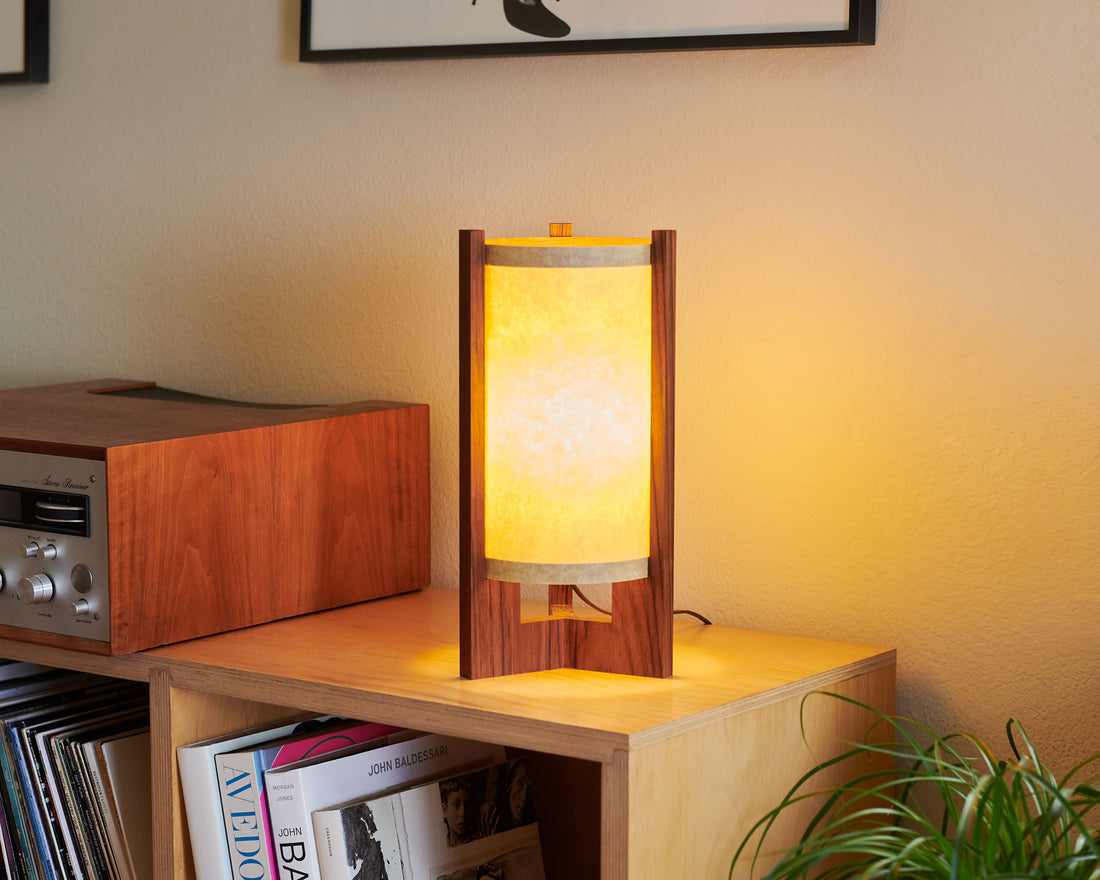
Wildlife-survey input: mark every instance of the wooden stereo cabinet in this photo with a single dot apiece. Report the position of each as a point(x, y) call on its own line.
point(635, 777)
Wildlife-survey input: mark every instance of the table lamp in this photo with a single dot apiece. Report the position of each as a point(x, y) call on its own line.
point(566, 441)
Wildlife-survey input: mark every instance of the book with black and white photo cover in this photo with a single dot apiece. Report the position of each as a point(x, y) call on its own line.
point(241, 784)
point(202, 799)
point(296, 791)
point(478, 824)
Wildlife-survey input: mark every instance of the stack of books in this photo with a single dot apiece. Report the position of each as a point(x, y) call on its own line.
point(327, 798)
point(76, 766)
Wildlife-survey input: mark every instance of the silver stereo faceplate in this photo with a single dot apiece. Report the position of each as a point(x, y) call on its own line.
point(53, 578)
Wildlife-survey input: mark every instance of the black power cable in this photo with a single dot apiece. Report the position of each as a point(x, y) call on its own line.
point(593, 605)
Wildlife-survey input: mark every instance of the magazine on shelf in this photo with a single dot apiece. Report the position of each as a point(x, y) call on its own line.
point(477, 824)
point(201, 795)
point(241, 785)
point(294, 792)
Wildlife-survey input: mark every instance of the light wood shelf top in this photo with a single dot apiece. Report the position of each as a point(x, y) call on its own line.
point(396, 659)
point(133, 667)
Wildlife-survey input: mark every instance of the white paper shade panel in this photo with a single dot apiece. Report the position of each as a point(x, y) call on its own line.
point(567, 401)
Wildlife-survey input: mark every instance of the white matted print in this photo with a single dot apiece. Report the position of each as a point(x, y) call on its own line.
point(24, 40)
point(12, 58)
point(349, 29)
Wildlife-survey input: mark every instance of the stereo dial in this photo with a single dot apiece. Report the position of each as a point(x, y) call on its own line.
point(56, 512)
point(34, 589)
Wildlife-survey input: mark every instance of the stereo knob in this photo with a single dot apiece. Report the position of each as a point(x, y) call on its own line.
point(42, 551)
point(82, 608)
point(1, 579)
point(34, 589)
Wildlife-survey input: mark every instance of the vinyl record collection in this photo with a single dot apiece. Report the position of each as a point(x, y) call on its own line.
point(76, 768)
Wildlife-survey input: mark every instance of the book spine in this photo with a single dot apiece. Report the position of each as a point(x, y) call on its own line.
point(288, 831)
point(240, 787)
point(203, 804)
point(332, 847)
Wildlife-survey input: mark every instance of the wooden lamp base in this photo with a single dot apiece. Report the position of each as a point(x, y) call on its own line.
point(629, 642)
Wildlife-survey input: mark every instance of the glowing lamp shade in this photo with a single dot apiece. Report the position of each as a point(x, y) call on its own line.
point(567, 410)
point(566, 450)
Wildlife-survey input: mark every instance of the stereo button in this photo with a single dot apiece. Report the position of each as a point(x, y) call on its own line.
point(82, 578)
point(35, 589)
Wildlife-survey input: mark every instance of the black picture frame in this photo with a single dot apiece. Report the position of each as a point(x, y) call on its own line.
point(857, 29)
point(29, 63)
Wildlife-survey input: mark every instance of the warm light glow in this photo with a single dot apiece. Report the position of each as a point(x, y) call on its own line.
point(567, 396)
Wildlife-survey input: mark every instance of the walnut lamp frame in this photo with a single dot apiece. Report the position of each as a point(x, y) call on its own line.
point(571, 483)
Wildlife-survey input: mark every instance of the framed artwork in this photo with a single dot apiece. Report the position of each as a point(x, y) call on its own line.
point(353, 30)
point(24, 41)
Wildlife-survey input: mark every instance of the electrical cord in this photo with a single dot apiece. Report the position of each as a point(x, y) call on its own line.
point(593, 605)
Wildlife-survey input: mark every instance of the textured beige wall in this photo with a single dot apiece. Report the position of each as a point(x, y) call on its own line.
point(889, 322)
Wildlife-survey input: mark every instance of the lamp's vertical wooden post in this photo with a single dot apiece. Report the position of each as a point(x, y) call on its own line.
point(489, 610)
point(472, 634)
point(662, 440)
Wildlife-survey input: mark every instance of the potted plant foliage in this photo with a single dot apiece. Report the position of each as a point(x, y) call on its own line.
point(937, 807)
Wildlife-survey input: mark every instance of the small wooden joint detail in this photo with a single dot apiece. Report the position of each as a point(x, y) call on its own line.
point(559, 596)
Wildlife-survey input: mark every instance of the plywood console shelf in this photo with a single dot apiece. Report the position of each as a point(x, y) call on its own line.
point(641, 778)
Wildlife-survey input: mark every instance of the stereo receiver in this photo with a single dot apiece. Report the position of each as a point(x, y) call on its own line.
point(133, 516)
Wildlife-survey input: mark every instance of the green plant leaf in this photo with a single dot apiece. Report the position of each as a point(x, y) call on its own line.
point(941, 807)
